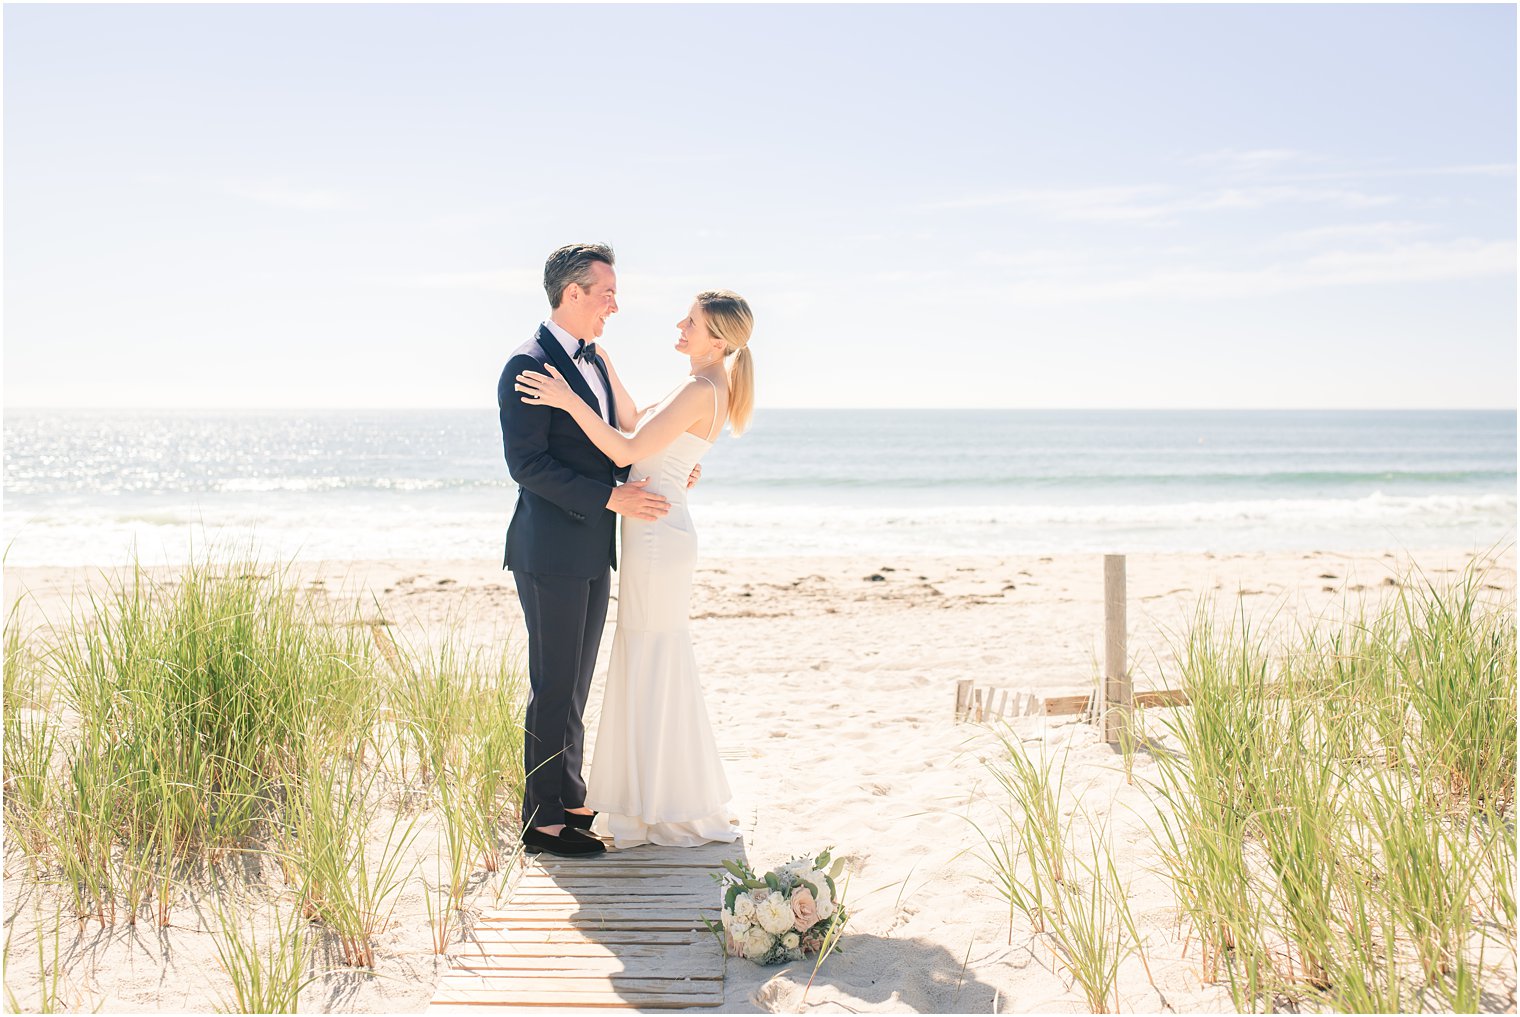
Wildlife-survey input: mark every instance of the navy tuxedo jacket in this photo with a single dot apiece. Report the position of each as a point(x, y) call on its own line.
point(561, 525)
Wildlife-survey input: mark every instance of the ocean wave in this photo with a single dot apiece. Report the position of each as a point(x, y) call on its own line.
point(1373, 508)
point(929, 479)
point(266, 485)
point(84, 535)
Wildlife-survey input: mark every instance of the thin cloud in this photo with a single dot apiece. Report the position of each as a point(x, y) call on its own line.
point(1272, 161)
point(1497, 170)
point(1409, 263)
point(1154, 203)
point(1254, 160)
point(1067, 202)
point(1382, 231)
point(282, 194)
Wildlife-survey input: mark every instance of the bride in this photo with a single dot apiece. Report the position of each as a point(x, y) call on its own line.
point(656, 777)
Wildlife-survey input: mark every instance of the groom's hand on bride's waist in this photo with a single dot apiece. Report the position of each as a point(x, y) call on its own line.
point(632, 500)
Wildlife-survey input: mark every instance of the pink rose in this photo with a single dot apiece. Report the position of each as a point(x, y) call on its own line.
point(733, 948)
point(804, 909)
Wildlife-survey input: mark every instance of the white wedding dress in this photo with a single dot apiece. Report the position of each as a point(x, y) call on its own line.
point(655, 775)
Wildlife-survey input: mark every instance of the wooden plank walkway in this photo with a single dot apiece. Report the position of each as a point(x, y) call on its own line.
point(621, 930)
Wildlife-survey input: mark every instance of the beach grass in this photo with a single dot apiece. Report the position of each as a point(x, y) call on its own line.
point(263, 978)
point(456, 706)
point(174, 731)
point(1072, 895)
point(1333, 810)
point(1342, 804)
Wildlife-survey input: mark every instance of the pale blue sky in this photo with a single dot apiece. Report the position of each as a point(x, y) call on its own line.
point(1062, 206)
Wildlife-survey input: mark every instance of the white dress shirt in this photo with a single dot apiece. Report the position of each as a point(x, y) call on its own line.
point(588, 370)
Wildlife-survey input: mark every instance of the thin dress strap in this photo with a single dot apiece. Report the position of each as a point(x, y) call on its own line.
point(717, 424)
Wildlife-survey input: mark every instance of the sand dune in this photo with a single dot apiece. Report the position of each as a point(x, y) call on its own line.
point(830, 683)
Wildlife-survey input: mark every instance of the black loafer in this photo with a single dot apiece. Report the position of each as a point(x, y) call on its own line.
point(569, 843)
point(578, 821)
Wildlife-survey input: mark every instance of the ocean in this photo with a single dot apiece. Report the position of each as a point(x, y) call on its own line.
point(89, 487)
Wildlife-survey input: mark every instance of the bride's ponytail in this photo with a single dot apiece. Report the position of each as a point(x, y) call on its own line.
point(741, 391)
point(729, 319)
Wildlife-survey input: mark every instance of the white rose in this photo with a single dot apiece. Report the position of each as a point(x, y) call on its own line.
point(791, 940)
point(774, 914)
point(738, 929)
point(823, 899)
point(744, 908)
point(757, 943)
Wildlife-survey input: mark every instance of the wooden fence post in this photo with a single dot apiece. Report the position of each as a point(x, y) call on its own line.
point(1118, 698)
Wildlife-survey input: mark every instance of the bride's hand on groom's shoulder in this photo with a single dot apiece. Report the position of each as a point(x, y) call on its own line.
point(544, 389)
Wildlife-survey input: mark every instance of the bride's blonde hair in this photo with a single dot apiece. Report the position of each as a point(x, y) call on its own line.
point(730, 321)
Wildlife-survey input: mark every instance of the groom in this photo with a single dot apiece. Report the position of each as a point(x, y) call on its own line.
point(560, 544)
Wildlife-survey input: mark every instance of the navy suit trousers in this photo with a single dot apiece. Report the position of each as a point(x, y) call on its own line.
point(565, 615)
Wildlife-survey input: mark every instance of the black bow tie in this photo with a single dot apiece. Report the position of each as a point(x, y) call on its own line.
point(586, 351)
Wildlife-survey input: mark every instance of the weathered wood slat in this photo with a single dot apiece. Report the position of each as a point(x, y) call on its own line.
point(574, 967)
point(610, 998)
point(506, 948)
point(579, 934)
point(593, 912)
point(1161, 697)
point(632, 887)
point(473, 981)
point(597, 870)
point(641, 884)
point(1064, 706)
point(582, 893)
point(607, 902)
point(616, 925)
point(603, 903)
point(470, 1003)
point(678, 858)
point(601, 887)
point(631, 872)
point(609, 923)
point(579, 888)
point(583, 918)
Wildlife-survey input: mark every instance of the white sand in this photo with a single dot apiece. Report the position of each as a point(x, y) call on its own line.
point(831, 694)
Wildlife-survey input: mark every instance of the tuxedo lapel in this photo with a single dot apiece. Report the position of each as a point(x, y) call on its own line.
point(567, 369)
point(601, 369)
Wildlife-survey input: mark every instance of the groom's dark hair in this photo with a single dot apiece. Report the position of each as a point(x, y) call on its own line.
point(572, 264)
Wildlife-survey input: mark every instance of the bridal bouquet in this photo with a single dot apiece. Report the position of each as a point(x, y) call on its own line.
point(784, 914)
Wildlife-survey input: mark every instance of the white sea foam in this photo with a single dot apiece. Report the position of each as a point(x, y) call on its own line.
point(85, 488)
point(361, 529)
